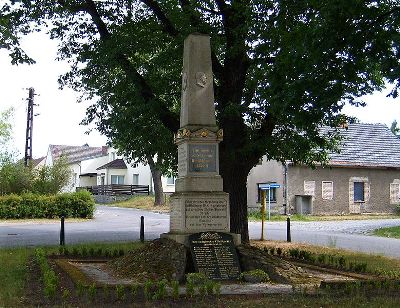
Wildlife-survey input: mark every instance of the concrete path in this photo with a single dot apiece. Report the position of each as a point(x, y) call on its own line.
point(119, 224)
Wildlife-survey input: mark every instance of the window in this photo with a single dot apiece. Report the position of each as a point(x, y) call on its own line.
point(327, 190)
point(358, 191)
point(112, 156)
point(117, 179)
point(135, 179)
point(171, 180)
point(394, 193)
point(271, 191)
point(309, 188)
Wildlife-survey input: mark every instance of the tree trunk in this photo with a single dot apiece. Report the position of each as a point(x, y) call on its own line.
point(235, 180)
point(158, 188)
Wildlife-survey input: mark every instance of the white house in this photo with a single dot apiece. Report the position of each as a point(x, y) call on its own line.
point(93, 166)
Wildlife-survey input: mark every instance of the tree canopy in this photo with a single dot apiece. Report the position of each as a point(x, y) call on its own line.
point(281, 70)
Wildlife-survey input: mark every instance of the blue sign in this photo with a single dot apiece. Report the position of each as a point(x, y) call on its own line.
point(269, 186)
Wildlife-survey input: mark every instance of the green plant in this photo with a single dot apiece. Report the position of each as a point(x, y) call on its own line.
point(65, 294)
point(256, 274)
point(321, 259)
point(161, 290)
point(134, 290)
point(147, 289)
point(99, 252)
point(341, 262)
point(80, 289)
point(49, 277)
point(120, 291)
point(84, 252)
point(217, 288)
point(175, 289)
point(92, 291)
point(189, 289)
point(196, 278)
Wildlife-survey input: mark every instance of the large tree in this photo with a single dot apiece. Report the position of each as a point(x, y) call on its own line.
point(281, 70)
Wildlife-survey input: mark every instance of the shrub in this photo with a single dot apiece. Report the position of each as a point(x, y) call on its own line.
point(28, 205)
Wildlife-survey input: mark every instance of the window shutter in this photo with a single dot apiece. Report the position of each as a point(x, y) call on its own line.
point(309, 188)
point(327, 190)
point(394, 193)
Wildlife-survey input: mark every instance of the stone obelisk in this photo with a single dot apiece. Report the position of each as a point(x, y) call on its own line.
point(199, 203)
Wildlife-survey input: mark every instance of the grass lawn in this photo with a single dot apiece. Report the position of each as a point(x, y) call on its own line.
point(15, 274)
point(388, 232)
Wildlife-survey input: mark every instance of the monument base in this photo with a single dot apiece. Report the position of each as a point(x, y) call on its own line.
point(183, 238)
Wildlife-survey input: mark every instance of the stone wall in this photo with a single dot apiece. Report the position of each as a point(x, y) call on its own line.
point(376, 189)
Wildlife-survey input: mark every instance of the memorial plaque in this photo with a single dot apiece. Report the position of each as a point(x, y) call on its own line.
point(214, 255)
point(202, 158)
point(206, 214)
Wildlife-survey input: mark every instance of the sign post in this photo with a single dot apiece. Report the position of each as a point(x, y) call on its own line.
point(263, 188)
point(262, 213)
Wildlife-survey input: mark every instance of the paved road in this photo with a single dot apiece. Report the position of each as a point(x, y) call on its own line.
point(118, 224)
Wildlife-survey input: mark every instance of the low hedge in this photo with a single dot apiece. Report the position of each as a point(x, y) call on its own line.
point(78, 205)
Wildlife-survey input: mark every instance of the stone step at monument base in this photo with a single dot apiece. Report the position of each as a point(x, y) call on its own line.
point(199, 183)
point(183, 238)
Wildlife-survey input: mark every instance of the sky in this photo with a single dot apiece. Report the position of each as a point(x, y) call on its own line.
point(59, 114)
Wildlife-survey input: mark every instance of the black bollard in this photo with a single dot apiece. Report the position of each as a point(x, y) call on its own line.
point(289, 238)
point(142, 229)
point(62, 232)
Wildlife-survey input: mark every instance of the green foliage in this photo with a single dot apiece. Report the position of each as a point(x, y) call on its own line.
point(175, 289)
point(148, 289)
point(161, 290)
point(49, 277)
point(51, 179)
point(92, 291)
point(134, 290)
point(120, 292)
point(28, 205)
point(5, 129)
point(203, 285)
point(16, 178)
point(393, 127)
point(256, 274)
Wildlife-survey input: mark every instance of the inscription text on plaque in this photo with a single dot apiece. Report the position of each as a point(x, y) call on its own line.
point(214, 255)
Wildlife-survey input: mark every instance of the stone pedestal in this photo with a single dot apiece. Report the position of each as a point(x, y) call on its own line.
point(199, 203)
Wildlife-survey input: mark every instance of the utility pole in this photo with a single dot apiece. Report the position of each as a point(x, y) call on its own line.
point(29, 127)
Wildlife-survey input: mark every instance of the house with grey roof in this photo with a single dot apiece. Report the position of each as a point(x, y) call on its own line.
point(363, 177)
